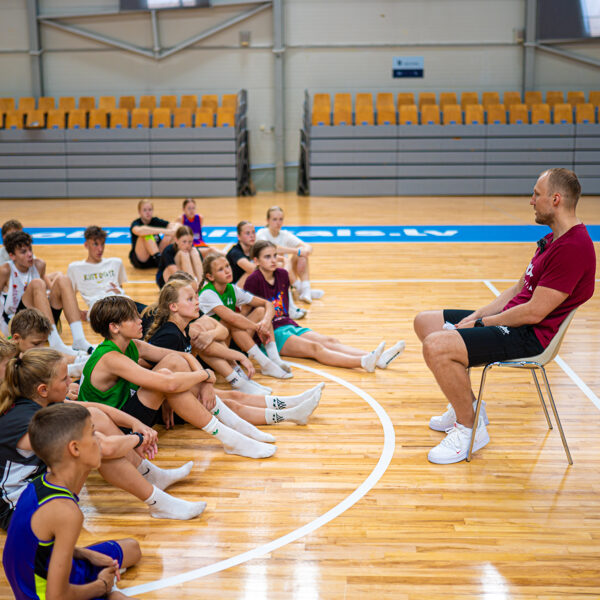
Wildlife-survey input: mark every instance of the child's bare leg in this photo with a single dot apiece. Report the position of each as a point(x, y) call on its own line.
point(145, 247)
point(302, 347)
point(165, 241)
point(35, 297)
point(183, 262)
point(197, 271)
point(333, 344)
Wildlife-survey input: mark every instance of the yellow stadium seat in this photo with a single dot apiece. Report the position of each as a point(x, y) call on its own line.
point(474, 114)
point(468, 98)
point(56, 119)
point(447, 98)
point(229, 101)
point(98, 118)
point(119, 118)
point(343, 99)
point(563, 113)
point(532, 98)
point(518, 113)
point(510, 98)
point(490, 98)
point(342, 114)
point(76, 119)
point(426, 98)
point(66, 103)
point(595, 98)
point(127, 102)
point(364, 114)
point(46, 103)
point(322, 100)
point(408, 115)
point(7, 104)
point(169, 102)
point(321, 115)
point(384, 99)
point(452, 114)
point(554, 97)
point(87, 103)
point(210, 101)
point(108, 103)
point(405, 99)
point(14, 119)
point(140, 117)
point(585, 113)
point(182, 117)
point(575, 97)
point(386, 115)
point(225, 117)
point(204, 117)
point(35, 119)
point(363, 99)
point(189, 101)
point(540, 113)
point(148, 102)
point(161, 117)
point(430, 114)
point(26, 103)
point(496, 114)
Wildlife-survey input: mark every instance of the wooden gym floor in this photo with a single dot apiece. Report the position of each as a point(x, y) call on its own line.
point(364, 513)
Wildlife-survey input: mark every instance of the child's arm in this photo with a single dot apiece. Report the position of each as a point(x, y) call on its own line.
point(61, 520)
point(234, 319)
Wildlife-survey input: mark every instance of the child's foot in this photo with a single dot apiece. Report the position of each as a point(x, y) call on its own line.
point(163, 478)
point(369, 361)
point(297, 313)
point(247, 386)
point(237, 443)
point(316, 294)
point(273, 370)
point(83, 345)
point(305, 296)
point(387, 356)
point(165, 506)
point(298, 414)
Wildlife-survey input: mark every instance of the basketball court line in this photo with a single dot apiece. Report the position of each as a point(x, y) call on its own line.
point(387, 452)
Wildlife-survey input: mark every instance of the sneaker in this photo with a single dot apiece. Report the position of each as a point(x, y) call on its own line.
point(297, 313)
point(447, 420)
point(368, 361)
point(455, 446)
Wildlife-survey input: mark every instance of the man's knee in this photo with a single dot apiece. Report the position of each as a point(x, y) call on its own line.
point(444, 345)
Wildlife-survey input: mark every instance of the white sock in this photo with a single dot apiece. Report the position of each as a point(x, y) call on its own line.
point(164, 506)
point(55, 341)
point(233, 379)
point(281, 402)
point(306, 287)
point(75, 369)
point(163, 478)
point(305, 295)
point(236, 443)
point(291, 303)
point(273, 354)
point(387, 356)
point(298, 414)
point(233, 420)
point(79, 341)
point(247, 386)
point(368, 361)
point(267, 366)
point(240, 371)
point(298, 285)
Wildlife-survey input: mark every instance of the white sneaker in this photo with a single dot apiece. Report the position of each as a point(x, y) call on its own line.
point(297, 313)
point(316, 294)
point(455, 446)
point(391, 354)
point(368, 361)
point(447, 420)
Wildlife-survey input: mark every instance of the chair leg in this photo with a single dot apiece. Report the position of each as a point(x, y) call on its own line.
point(539, 391)
point(477, 410)
point(558, 423)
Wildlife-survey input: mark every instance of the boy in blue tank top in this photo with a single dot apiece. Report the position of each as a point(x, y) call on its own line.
point(40, 558)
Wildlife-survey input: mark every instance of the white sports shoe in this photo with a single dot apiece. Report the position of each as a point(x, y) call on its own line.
point(455, 446)
point(447, 420)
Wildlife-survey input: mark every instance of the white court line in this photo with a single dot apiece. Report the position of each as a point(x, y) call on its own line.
point(559, 361)
point(387, 452)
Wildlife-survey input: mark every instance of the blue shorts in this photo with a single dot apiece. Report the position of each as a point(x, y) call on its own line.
point(283, 333)
point(83, 571)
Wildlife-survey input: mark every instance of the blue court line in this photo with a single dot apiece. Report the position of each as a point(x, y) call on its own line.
point(340, 234)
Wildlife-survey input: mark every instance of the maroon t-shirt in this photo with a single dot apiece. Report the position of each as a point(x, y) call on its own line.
point(567, 265)
point(277, 294)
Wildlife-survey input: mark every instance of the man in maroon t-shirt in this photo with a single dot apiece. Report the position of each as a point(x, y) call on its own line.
point(520, 322)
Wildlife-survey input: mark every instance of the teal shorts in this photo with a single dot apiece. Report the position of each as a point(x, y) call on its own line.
point(282, 334)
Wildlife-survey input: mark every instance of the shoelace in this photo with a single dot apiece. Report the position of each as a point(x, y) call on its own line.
point(452, 440)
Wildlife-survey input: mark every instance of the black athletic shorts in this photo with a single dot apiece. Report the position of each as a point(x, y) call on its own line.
point(151, 263)
point(56, 312)
point(135, 408)
point(495, 343)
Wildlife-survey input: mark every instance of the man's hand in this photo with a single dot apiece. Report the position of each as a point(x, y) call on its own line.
point(167, 415)
point(468, 319)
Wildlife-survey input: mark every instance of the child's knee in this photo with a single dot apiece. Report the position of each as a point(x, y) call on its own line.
point(132, 553)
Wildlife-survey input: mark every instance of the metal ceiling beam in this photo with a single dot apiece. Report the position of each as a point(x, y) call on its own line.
point(588, 60)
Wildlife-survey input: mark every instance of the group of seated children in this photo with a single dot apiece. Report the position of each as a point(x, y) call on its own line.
point(49, 443)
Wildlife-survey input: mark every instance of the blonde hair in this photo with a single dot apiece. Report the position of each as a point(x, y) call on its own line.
point(160, 310)
point(24, 375)
point(273, 209)
point(142, 202)
point(207, 264)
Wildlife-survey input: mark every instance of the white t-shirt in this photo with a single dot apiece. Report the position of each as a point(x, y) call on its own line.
point(286, 239)
point(209, 300)
point(4, 257)
point(97, 280)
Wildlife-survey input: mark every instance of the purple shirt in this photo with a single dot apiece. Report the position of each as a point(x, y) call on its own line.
point(277, 294)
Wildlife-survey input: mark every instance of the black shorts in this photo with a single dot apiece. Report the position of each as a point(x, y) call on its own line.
point(151, 263)
point(135, 408)
point(495, 343)
point(56, 312)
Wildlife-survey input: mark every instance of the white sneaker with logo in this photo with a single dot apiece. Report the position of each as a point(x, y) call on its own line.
point(455, 446)
point(447, 420)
